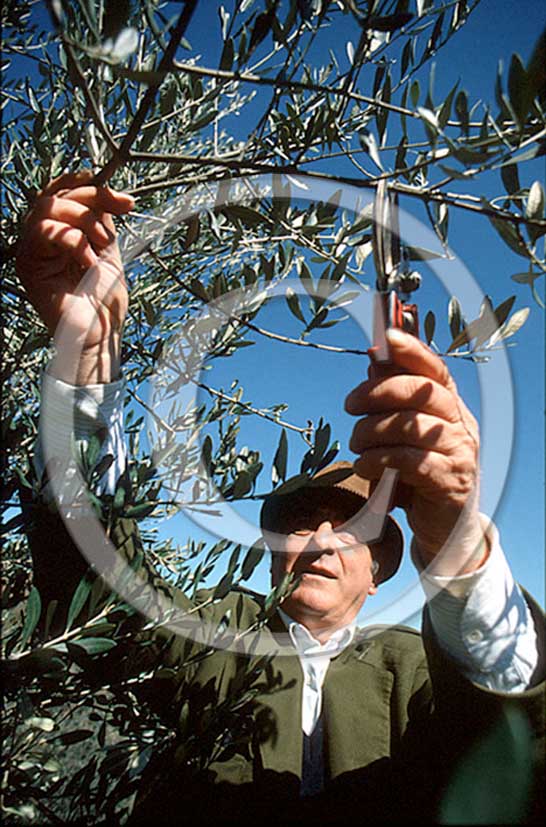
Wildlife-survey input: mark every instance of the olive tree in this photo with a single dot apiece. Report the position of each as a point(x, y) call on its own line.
point(121, 88)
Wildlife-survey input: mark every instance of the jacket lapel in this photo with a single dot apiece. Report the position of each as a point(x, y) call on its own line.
point(356, 704)
point(282, 752)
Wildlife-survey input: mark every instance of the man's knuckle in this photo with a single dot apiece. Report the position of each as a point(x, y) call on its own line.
point(423, 460)
point(89, 219)
point(74, 237)
point(467, 446)
point(408, 384)
point(410, 426)
point(462, 475)
point(41, 207)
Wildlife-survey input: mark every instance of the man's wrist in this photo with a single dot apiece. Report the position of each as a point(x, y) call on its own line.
point(96, 366)
point(464, 553)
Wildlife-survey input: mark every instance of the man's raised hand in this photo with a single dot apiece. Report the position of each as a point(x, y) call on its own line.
point(68, 261)
point(416, 422)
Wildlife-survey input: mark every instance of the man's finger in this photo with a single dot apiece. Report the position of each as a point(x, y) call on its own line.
point(428, 471)
point(68, 180)
point(102, 199)
point(73, 214)
point(379, 370)
point(411, 354)
point(405, 428)
point(79, 186)
point(108, 222)
point(70, 240)
point(403, 392)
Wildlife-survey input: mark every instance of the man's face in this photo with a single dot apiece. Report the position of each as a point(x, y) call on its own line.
point(336, 570)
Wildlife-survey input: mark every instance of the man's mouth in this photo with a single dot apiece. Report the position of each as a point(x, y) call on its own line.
point(319, 572)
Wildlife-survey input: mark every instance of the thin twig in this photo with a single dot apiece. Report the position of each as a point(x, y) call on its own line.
point(259, 80)
point(271, 417)
point(496, 162)
point(300, 342)
point(152, 413)
point(66, 635)
point(244, 322)
point(291, 85)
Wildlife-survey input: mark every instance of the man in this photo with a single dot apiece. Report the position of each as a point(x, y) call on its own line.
point(343, 722)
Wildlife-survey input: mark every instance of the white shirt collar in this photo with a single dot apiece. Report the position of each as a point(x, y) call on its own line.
point(307, 645)
point(315, 658)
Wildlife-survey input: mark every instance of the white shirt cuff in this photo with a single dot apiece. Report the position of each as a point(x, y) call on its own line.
point(73, 413)
point(483, 622)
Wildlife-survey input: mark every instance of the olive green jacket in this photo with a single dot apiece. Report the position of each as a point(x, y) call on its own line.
point(399, 718)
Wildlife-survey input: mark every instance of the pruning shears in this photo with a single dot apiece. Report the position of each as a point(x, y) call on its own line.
point(395, 281)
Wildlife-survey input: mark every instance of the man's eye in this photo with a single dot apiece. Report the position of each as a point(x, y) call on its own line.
point(346, 537)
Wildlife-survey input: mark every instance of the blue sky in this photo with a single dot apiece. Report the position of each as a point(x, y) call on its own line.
point(315, 385)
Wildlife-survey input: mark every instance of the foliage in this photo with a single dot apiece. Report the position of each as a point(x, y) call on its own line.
point(119, 87)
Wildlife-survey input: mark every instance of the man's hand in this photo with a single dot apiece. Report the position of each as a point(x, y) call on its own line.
point(417, 423)
point(68, 261)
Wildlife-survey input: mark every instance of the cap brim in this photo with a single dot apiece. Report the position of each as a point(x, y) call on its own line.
point(387, 549)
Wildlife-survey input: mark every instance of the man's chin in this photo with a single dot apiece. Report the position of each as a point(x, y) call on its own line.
point(311, 598)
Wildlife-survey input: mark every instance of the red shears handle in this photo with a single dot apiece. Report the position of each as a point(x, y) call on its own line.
point(390, 311)
point(394, 283)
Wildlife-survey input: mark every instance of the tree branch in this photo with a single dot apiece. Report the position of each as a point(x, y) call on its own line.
point(291, 85)
point(82, 81)
point(123, 153)
point(244, 322)
point(245, 167)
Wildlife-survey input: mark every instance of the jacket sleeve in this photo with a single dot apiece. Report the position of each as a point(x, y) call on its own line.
point(157, 628)
point(489, 745)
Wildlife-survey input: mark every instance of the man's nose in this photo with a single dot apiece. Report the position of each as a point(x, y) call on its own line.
point(324, 539)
